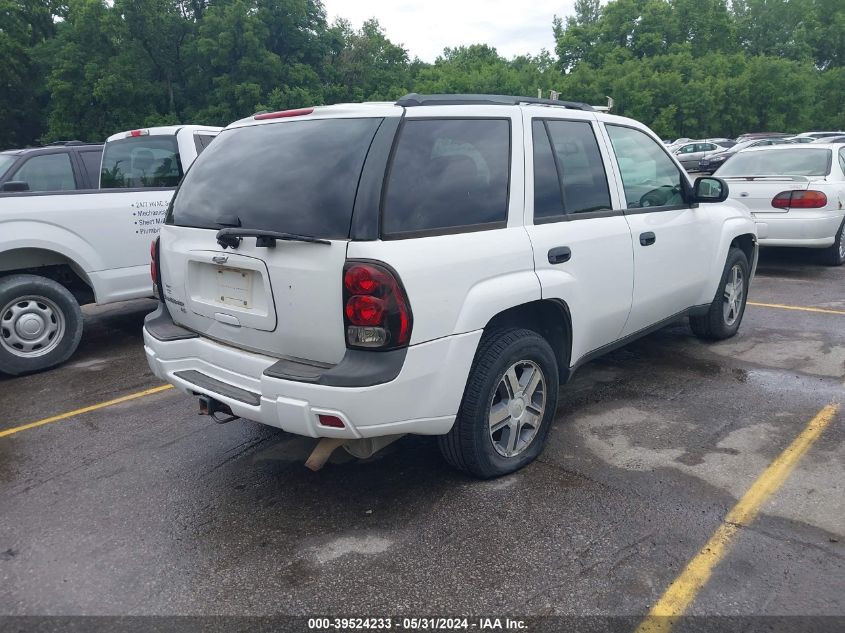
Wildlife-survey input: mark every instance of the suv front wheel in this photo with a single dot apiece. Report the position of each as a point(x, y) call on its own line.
point(728, 307)
point(508, 405)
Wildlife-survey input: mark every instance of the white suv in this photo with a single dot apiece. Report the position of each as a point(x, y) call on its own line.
point(438, 265)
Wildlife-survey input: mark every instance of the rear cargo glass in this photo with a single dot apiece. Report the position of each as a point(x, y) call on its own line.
point(295, 177)
point(779, 162)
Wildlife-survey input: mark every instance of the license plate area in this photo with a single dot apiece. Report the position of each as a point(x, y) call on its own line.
point(239, 288)
point(235, 287)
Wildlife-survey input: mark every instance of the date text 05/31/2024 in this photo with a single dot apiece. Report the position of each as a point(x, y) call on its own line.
point(416, 624)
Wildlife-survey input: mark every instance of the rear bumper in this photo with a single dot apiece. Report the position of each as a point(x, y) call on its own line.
point(423, 398)
point(798, 229)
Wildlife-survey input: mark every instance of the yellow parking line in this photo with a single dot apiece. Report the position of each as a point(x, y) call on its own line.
point(93, 407)
point(799, 308)
point(680, 594)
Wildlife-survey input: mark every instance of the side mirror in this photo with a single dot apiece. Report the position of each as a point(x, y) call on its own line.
point(15, 185)
point(709, 189)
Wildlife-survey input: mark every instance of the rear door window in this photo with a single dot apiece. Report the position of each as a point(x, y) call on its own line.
point(141, 161)
point(294, 177)
point(91, 163)
point(448, 175)
point(580, 166)
point(48, 172)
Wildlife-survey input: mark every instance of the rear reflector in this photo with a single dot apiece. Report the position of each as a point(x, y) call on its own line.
point(137, 133)
point(799, 199)
point(283, 114)
point(332, 421)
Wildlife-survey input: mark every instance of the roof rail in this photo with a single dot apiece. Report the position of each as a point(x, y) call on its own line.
point(413, 100)
point(69, 143)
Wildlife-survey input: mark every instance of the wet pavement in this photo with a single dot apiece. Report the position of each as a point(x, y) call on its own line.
point(146, 508)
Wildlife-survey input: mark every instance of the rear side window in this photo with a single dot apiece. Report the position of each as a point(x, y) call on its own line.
point(842, 160)
point(48, 172)
point(448, 174)
point(292, 177)
point(141, 161)
point(201, 141)
point(91, 163)
point(6, 161)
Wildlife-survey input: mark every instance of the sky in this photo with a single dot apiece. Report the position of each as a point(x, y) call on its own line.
point(425, 27)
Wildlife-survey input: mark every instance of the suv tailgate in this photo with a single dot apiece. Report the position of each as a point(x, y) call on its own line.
point(297, 176)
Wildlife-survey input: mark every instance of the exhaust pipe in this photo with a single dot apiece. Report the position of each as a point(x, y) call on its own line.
point(215, 409)
point(361, 448)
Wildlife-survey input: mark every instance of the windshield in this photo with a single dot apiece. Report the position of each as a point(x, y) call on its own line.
point(6, 161)
point(779, 162)
point(141, 161)
point(294, 177)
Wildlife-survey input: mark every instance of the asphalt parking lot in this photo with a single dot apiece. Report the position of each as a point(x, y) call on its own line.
point(144, 507)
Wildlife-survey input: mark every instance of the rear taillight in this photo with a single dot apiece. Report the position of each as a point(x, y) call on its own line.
point(376, 311)
point(154, 269)
point(799, 199)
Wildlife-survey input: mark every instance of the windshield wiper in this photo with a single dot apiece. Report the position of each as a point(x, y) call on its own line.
point(231, 237)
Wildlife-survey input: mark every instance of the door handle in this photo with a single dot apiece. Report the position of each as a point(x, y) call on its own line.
point(647, 239)
point(560, 254)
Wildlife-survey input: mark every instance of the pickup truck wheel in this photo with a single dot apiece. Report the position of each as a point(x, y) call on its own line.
point(508, 405)
point(835, 255)
point(725, 314)
point(40, 324)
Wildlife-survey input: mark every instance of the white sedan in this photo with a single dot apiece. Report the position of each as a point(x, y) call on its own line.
point(796, 194)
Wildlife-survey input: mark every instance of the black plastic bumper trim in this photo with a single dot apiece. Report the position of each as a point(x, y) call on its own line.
point(219, 387)
point(160, 325)
point(358, 368)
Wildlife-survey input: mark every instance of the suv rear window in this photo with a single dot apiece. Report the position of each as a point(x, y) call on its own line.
point(448, 173)
point(141, 161)
point(294, 177)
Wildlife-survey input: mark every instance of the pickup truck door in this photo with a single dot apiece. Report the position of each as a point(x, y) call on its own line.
point(582, 246)
point(673, 241)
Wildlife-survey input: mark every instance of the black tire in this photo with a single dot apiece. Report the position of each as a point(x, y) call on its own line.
point(469, 446)
point(833, 255)
point(61, 307)
point(714, 326)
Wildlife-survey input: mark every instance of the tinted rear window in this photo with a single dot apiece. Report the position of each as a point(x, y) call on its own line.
point(141, 161)
point(448, 173)
point(295, 177)
point(779, 162)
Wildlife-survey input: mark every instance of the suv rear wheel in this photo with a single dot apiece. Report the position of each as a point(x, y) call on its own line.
point(728, 307)
point(40, 324)
point(508, 405)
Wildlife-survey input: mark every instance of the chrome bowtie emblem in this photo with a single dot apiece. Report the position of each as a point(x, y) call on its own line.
point(220, 259)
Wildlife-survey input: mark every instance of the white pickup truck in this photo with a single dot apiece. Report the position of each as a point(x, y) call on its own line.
point(62, 249)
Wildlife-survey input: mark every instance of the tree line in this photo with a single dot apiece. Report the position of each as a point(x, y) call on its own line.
point(83, 69)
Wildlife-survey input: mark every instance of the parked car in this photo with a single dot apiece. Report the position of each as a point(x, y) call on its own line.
point(63, 247)
point(818, 135)
point(435, 266)
point(799, 139)
point(717, 159)
point(60, 166)
point(796, 194)
point(690, 154)
point(758, 135)
point(830, 139)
